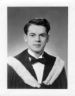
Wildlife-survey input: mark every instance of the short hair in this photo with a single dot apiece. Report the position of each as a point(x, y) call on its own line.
point(36, 21)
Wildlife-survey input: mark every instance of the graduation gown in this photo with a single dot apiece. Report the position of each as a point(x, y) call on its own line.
point(14, 80)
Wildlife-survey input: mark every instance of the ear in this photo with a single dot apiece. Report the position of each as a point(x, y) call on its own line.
point(48, 38)
point(25, 38)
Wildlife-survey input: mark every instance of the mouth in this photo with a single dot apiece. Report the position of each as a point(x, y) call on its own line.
point(37, 45)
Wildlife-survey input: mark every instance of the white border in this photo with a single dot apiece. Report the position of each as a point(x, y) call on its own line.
point(3, 48)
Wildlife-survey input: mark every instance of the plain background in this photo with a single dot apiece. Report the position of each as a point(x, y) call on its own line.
point(58, 18)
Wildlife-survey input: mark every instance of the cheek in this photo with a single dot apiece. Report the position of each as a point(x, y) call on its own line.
point(44, 40)
point(29, 41)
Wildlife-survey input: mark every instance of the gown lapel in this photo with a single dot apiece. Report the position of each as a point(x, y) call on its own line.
point(49, 62)
point(48, 65)
point(25, 61)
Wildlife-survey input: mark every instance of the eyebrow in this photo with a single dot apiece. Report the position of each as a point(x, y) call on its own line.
point(31, 33)
point(39, 34)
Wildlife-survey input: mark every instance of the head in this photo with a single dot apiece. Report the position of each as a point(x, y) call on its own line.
point(36, 34)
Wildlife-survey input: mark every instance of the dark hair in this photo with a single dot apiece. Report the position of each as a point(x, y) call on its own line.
point(36, 21)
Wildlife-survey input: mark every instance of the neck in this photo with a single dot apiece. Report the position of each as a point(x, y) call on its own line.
point(35, 54)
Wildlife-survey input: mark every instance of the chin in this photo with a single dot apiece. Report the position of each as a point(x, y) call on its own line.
point(37, 50)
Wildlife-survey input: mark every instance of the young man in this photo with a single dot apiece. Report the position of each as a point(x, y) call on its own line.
point(34, 68)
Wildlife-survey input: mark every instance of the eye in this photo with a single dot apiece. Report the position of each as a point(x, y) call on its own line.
point(32, 35)
point(43, 35)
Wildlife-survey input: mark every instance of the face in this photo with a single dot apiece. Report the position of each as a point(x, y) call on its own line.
point(36, 38)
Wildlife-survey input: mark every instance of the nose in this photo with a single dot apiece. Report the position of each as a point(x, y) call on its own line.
point(37, 38)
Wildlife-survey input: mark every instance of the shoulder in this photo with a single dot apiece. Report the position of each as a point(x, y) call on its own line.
point(20, 58)
point(54, 57)
point(21, 55)
point(49, 56)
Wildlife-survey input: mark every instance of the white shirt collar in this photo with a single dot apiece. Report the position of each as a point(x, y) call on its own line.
point(32, 54)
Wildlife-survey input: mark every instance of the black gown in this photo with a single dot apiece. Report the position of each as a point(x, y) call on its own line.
point(15, 82)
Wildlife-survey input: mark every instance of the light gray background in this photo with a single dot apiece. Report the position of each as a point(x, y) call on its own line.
point(58, 18)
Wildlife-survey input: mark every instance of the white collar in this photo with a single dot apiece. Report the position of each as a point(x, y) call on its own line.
point(32, 54)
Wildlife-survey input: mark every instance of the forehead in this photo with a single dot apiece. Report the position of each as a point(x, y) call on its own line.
point(36, 29)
